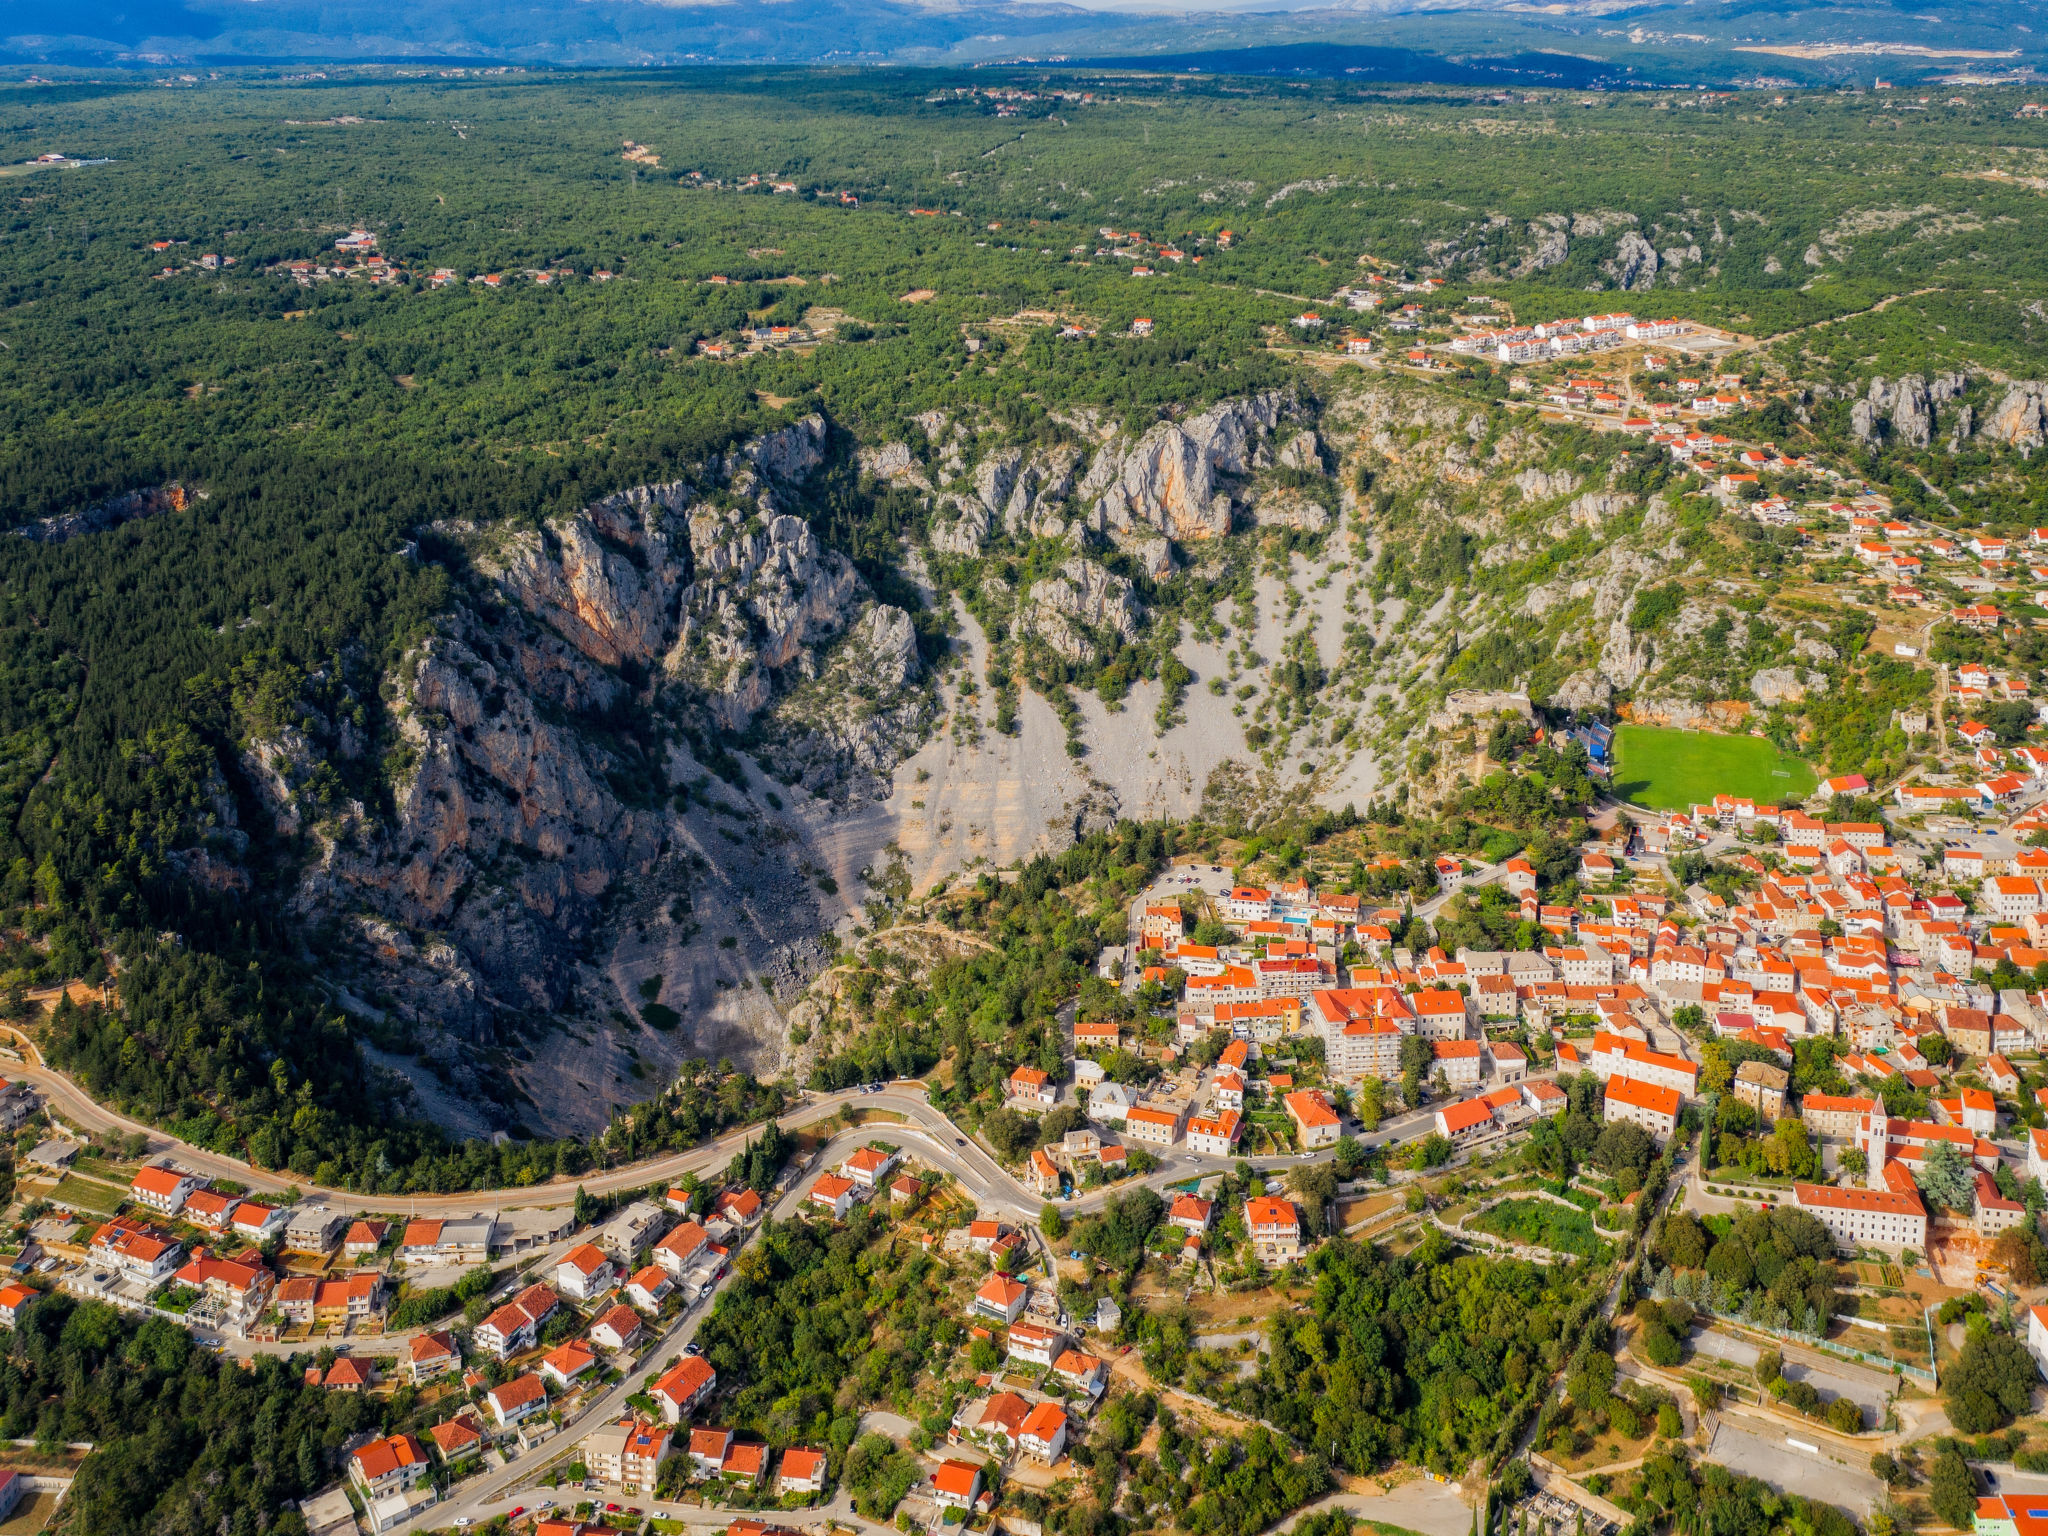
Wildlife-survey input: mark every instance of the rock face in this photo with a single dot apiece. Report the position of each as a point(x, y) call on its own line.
point(1778, 685)
point(1175, 482)
point(2019, 420)
point(1634, 263)
point(1903, 409)
point(1168, 481)
point(111, 514)
point(1081, 611)
point(1541, 485)
point(524, 811)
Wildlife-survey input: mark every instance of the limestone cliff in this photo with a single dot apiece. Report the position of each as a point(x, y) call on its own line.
point(551, 800)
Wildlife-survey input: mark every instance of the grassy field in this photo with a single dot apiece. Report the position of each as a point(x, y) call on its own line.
point(1666, 769)
point(84, 1195)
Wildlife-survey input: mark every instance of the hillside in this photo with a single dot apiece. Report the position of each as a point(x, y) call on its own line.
point(503, 606)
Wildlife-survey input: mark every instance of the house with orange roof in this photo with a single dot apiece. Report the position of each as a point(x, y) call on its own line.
point(684, 1385)
point(1044, 1433)
point(162, 1189)
point(834, 1193)
point(1275, 1228)
point(431, 1355)
point(868, 1167)
point(517, 1399)
point(619, 1327)
point(1315, 1123)
point(1464, 1120)
point(956, 1484)
point(585, 1272)
point(457, 1438)
point(15, 1300)
point(1031, 1088)
point(1191, 1213)
point(802, 1471)
point(568, 1363)
point(1000, 1299)
point(746, 1463)
point(649, 1288)
point(387, 1466)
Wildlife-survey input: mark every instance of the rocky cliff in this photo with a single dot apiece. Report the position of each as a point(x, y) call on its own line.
point(556, 835)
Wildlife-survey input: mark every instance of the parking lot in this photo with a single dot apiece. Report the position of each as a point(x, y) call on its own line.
point(1760, 1453)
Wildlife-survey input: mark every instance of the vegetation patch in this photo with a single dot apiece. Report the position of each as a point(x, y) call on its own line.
point(1543, 1224)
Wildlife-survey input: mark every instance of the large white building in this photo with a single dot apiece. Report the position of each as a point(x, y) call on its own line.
point(1649, 1105)
point(1867, 1218)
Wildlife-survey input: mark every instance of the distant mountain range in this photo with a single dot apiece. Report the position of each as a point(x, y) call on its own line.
point(1577, 43)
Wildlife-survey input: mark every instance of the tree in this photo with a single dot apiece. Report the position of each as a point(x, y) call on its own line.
point(1946, 1177)
point(1990, 1383)
point(1845, 1416)
point(1369, 1104)
point(2019, 1249)
point(1416, 1057)
point(1770, 1367)
point(1350, 1155)
point(1052, 1221)
point(1953, 1491)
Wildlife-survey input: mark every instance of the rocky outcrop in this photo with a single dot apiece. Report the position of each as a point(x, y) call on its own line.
point(1634, 263)
point(1290, 509)
point(1595, 507)
point(766, 594)
point(1548, 248)
point(840, 733)
point(1778, 685)
point(893, 464)
point(1082, 612)
point(111, 513)
point(2020, 419)
point(1541, 484)
point(1304, 451)
point(1903, 409)
point(524, 812)
point(1172, 479)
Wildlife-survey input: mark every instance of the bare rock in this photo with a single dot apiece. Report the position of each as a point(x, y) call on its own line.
point(1634, 263)
point(1586, 693)
point(1778, 685)
point(2019, 420)
point(1542, 484)
point(1304, 450)
point(1083, 601)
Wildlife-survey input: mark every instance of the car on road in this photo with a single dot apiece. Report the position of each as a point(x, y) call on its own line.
point(515, 1512)
point(462, 1522)
point(959, 1141)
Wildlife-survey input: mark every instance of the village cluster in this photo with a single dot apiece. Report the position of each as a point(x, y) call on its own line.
point(577, 1317)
